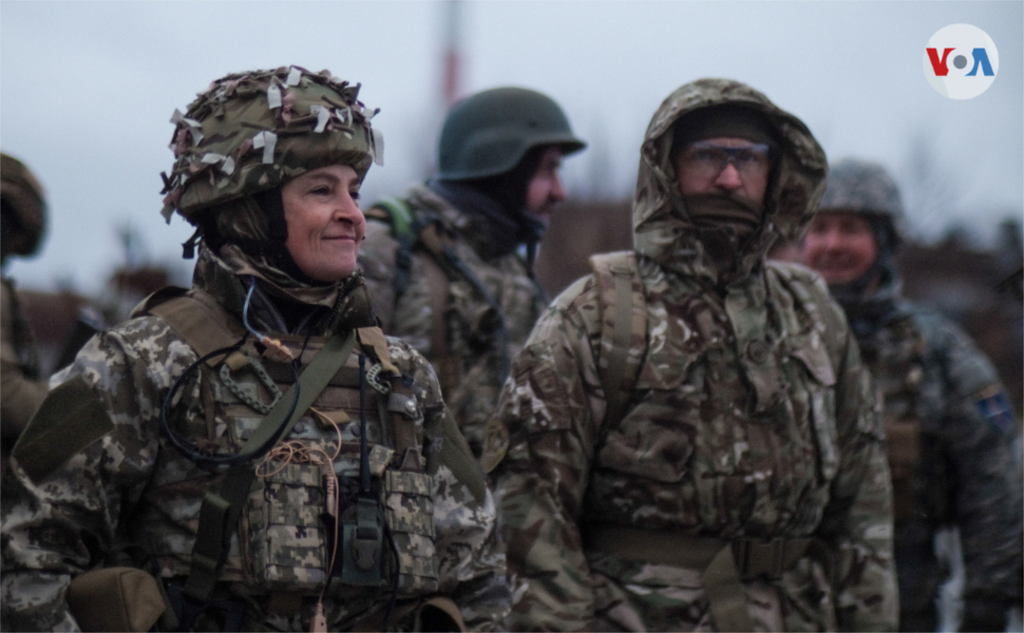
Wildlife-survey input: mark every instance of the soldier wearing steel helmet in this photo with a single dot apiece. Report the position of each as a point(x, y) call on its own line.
point(692, 443)
point(253, 453)
point(949, 425)
point(22, 388)
point(450, 264)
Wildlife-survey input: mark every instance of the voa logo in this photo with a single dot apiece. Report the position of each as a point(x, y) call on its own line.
point(960, 61)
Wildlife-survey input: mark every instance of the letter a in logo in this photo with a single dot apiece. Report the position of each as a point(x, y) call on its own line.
point(946, 61)
point(940, 67)
point(981, 58)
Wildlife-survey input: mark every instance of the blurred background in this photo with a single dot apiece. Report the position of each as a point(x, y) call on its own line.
point(87, 90)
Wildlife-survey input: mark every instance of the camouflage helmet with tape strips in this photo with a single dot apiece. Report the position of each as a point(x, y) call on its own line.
point(866, 188)
point(24, 208)
point(254, 131)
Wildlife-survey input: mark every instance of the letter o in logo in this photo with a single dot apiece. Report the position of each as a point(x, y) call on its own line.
point(960, 61)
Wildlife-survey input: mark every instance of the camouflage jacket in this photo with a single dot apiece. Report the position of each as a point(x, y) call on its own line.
point(130, 489)
point(751, 417)
point(479, 353)
point(951, 435)
point(21, 389)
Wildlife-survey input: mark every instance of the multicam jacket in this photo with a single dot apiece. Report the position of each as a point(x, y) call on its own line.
point(950, 436)
point(131, 491)
point(473, 361)
point(752, 417)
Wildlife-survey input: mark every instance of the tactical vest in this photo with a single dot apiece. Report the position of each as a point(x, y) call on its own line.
point(644, 386)
point(291, 528)
point(897, 366)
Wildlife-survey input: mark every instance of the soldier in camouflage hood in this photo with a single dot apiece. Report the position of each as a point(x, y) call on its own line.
point(949, 426)
point(22, 389)
point(254, 442)
point(689, 441)
point(443, 263)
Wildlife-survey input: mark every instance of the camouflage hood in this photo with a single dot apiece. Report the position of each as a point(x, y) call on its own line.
point(662, 228)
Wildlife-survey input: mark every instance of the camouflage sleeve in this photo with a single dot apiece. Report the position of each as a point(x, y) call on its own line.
point(471, 557)
point(377, 262)
point(858, 520)
point(547, 406)
point(60, 520)
point(979, 429)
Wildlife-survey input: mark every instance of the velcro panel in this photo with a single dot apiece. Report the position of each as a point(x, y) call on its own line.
point(69, 420)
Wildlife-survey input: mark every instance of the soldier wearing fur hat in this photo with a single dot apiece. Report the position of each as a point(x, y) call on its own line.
point(949, 426)
point(22, 388)
point(254, 443)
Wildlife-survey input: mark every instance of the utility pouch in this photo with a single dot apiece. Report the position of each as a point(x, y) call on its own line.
point(285, 537)
point(116, 599)
point(410, 516)
point(362, 546)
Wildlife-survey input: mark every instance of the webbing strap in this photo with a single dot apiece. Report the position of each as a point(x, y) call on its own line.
point(615, 395)
point(221, 510)
point(204, 326)
point(727, 600)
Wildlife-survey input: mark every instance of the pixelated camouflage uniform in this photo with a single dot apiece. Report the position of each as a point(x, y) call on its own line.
point(480, 340)
point(752, 417)
point(132, 489)
point(949, 426)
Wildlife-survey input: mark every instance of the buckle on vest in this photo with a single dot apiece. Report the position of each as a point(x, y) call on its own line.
point(757, 558)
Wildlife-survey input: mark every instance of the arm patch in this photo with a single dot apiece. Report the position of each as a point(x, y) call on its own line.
point(70, 419)
point(995, 407)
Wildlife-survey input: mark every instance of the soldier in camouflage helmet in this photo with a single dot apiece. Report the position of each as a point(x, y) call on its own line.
point(22, 389)
point(255, 442)
point(949, 425)
point(688, 440)
point(443, 263)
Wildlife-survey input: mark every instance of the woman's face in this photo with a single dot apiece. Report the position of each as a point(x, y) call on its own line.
point(325, 225)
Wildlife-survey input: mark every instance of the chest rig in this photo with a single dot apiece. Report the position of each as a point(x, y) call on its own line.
point(343, 498)
point(895, 356)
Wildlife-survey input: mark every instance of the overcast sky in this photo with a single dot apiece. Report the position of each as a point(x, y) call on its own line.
point(87, 90)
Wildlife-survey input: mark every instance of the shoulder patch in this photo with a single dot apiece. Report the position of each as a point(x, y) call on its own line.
point(69, 420)
point(495, 445)
point(995, 407)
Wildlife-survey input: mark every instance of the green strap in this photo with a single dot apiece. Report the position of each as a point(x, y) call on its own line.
point(727, 600)
point(614, 393)
point(400, 214)
point(221, 510)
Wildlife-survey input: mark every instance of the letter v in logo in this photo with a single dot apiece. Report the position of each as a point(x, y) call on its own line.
point(940, 67)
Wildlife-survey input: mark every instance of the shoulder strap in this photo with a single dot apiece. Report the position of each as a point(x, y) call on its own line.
point(397, 213)
point(204, 325)
point(623, 320)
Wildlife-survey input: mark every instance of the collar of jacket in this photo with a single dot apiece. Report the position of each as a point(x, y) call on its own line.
point(869, 311)
point(331, 308)
point(484, 224)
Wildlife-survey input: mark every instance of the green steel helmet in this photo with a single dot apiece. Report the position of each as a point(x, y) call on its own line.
point(488, 133)
point(24, 208)
point(254, 131)
point(865, 188)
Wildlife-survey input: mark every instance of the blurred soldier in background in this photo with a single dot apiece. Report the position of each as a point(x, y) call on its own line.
point(445, 264)
point(692, 441)
point(254, 442)
point(22, 225)
point(949, 424)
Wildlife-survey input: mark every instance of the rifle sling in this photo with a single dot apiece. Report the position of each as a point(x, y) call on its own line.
point(221, 510)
